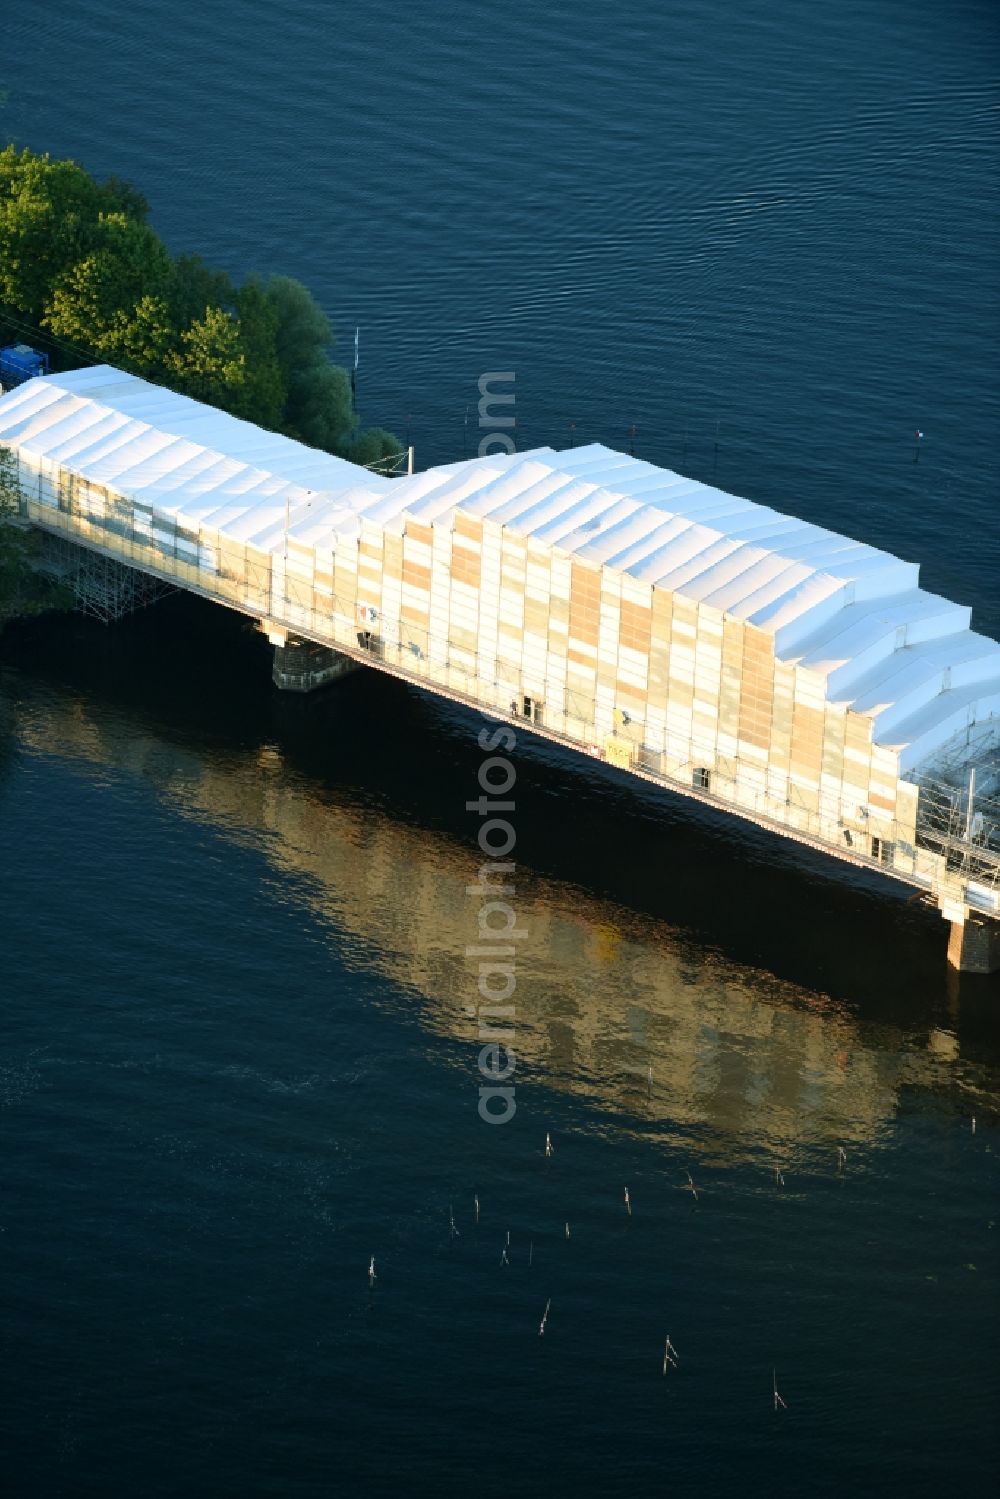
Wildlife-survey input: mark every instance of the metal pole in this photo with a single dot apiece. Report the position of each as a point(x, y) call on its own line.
point(409, 459)
point(971, 802)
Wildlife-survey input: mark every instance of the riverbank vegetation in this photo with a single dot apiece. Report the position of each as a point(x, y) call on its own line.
point(84, 277)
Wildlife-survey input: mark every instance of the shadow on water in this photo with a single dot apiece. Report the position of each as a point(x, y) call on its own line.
point(714, 899)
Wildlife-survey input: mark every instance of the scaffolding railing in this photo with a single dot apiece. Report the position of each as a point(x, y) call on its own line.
point(962, 828)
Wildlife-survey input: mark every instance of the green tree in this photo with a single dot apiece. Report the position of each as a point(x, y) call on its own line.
point(371, 446)
point(266, 394)
point(321, 399)
point(304, 336)
point(318, 408)
point(48, 215)
point(195, 286)
point(93, 302)
point(142, 340)
point(209, 364)
point(119, 196)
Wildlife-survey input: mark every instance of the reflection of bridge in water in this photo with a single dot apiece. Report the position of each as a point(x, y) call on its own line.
point(783, 673)
point(741, 1061)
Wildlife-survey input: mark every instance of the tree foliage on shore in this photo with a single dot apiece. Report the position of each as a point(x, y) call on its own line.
point(83, 275)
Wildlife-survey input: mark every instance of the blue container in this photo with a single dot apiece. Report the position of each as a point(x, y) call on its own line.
point(20, 362)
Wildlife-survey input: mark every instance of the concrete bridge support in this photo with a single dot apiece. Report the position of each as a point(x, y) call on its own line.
point(974, 945)
point(302, 665)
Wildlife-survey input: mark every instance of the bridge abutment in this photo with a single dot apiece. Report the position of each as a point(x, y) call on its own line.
point(974, 945)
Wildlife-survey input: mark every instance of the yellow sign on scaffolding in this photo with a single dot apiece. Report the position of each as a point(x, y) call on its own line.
point(619, 752)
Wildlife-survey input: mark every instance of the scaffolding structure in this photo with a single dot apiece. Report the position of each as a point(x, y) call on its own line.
point(963, 827)
point(103, 587)
point(392, 465)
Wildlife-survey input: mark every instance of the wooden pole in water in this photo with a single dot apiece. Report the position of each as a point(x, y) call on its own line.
point(774, 1390)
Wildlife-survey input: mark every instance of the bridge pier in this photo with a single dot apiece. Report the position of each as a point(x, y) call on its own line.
point(304, 666)
point(974, 945)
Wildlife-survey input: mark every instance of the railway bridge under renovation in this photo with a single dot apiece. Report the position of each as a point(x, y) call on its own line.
point(787, 674)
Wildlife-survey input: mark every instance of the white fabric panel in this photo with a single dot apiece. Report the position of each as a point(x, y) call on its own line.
point(576, 504)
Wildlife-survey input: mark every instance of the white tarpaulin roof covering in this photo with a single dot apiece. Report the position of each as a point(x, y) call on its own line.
point(176, 455)
point(853, 615)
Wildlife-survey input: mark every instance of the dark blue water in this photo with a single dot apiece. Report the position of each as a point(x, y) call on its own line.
point(238, 1056)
